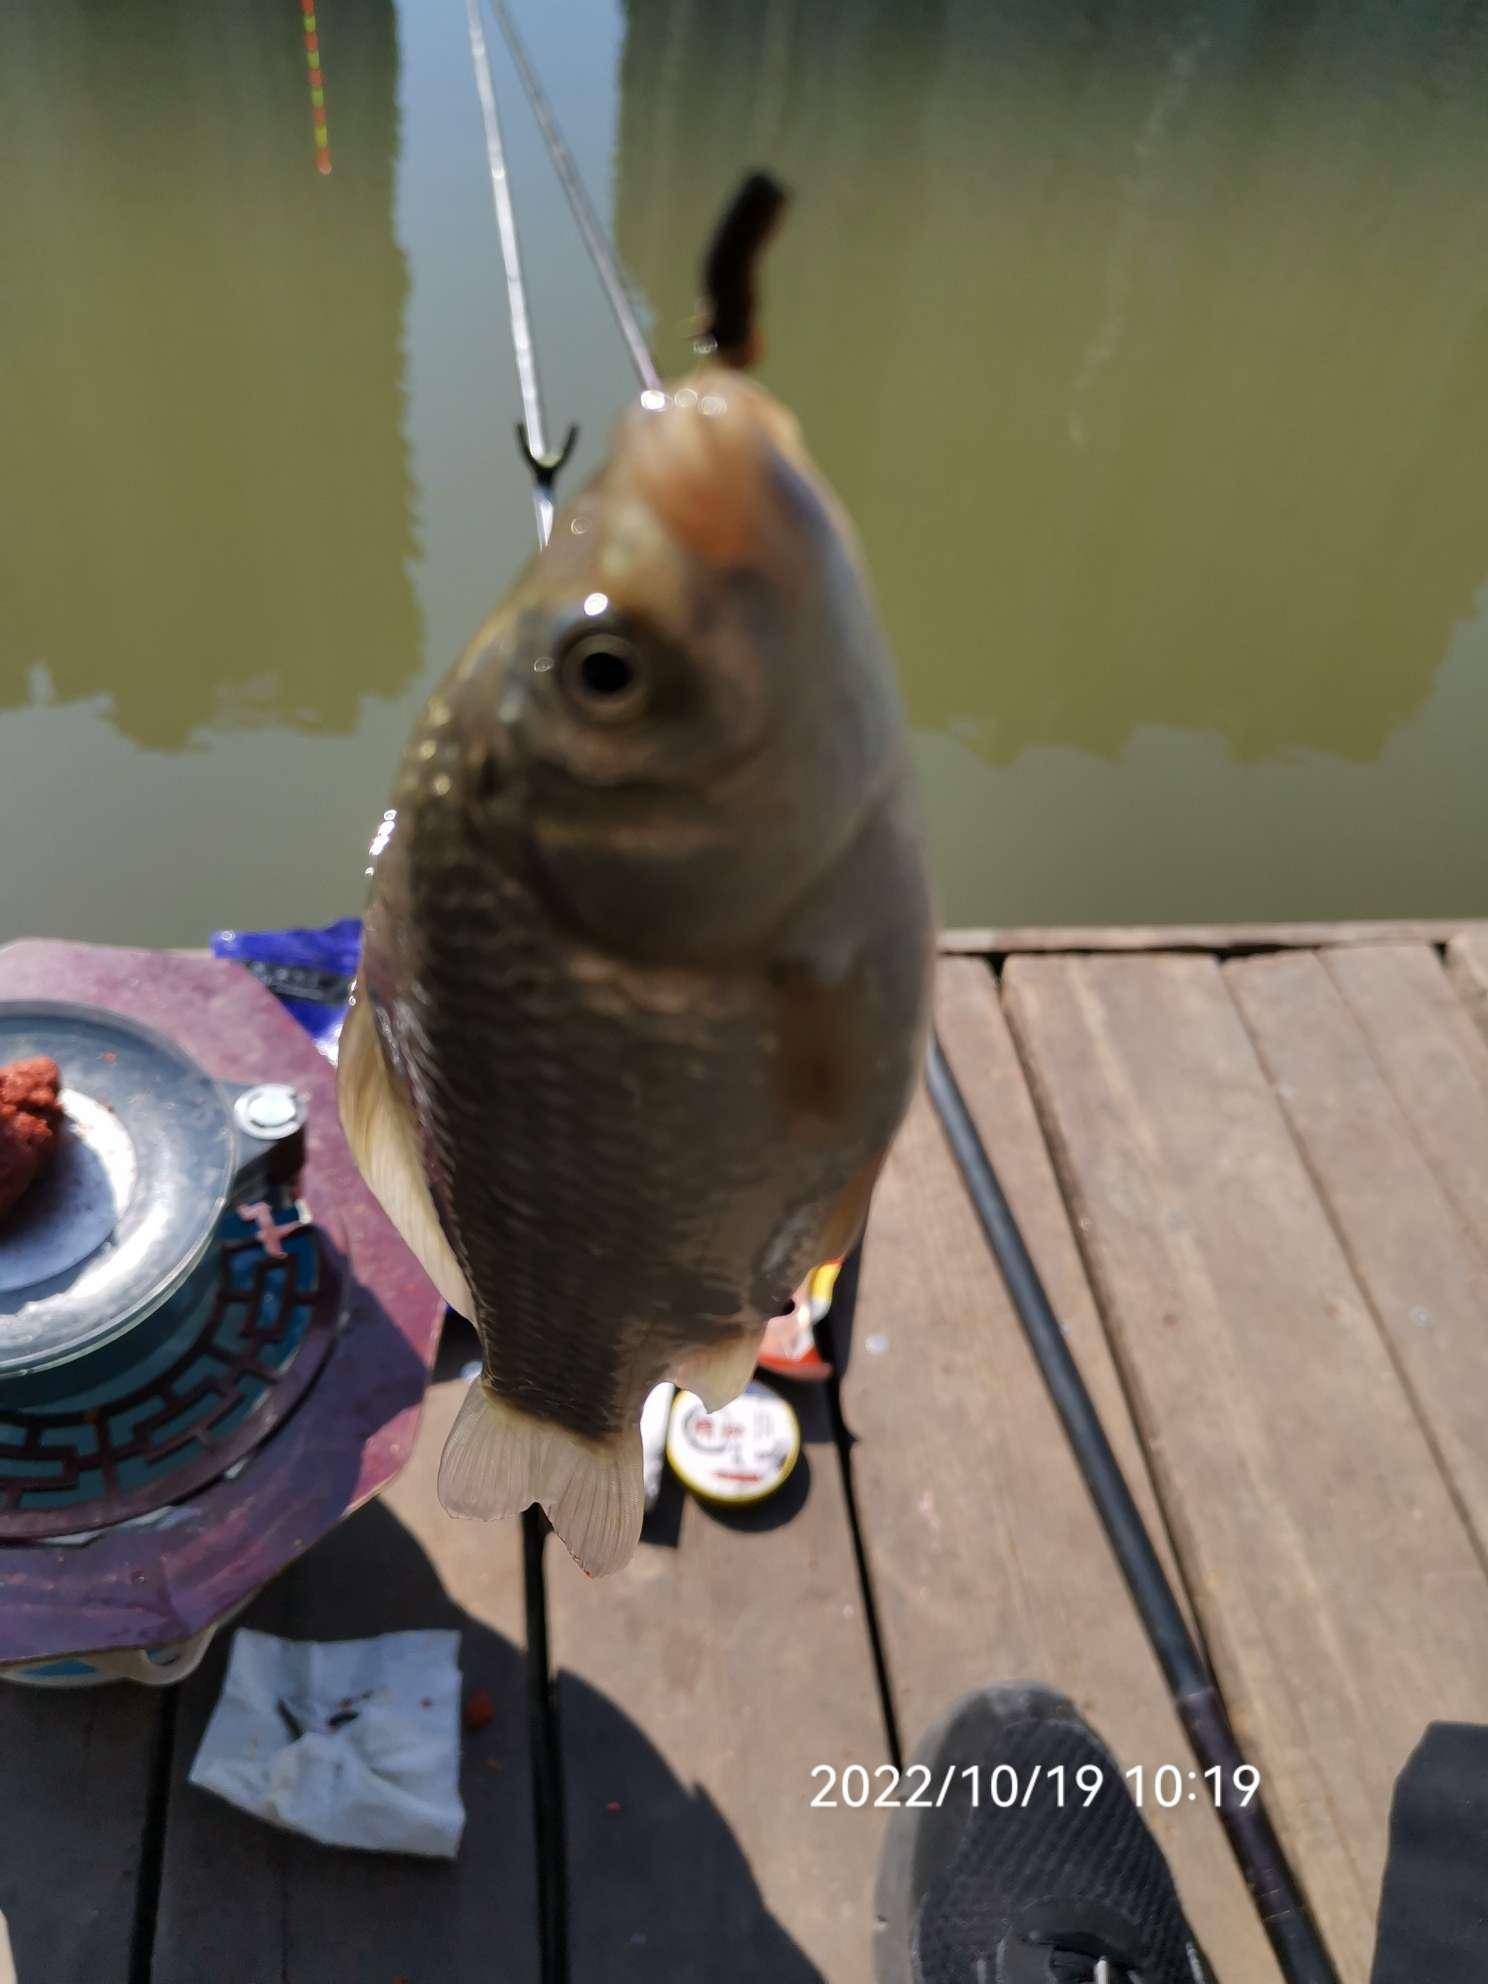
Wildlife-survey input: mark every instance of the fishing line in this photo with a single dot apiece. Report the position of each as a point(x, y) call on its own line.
point(595, 240)
point(532, 434)
point(728, 281)
point(728, 268)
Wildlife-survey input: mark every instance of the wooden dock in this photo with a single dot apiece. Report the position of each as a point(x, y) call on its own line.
point(1252, 1167)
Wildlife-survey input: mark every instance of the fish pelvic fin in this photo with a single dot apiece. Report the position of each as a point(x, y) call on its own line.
point(384, 1142)
point(499, 1459)
point(720, 1372)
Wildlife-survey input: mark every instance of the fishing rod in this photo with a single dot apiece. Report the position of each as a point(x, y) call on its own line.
point(569, 177)
point(545, 1760)
point(728, 282)
point(532, 429)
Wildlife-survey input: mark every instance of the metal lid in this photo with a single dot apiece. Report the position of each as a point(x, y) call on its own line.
point(742, 1452)
point(133, 1195)
point(269, 1111)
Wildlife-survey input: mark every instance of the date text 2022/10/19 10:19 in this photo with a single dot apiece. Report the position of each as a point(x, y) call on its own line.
point(1165, 1786)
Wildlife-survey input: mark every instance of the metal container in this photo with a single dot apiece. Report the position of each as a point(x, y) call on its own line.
point(194, 1383)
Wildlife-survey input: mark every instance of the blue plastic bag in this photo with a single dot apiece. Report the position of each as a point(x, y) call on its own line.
point(308, 971)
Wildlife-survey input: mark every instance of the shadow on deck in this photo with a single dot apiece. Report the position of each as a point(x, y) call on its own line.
point(1252, 1168)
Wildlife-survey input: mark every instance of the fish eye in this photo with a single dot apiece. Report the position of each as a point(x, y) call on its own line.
point(604, 676)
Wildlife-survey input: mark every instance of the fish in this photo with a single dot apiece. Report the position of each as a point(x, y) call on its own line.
point(644, 980)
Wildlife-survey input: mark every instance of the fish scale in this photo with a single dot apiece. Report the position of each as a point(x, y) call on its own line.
point(580, 1132)
point(646, 957)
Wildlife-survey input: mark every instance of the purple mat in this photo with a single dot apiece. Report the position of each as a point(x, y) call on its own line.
point(355, 1427)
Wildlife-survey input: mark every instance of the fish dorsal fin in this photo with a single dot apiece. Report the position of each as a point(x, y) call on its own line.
point(499, 1459)
point(385, 1145)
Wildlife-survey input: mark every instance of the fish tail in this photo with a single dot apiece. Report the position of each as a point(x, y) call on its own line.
point(499, 1459)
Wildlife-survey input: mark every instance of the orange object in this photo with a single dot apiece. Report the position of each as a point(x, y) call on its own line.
point(30, 1119)
point(789, 1348)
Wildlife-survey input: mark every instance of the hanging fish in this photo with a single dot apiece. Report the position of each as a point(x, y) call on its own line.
point(644, 978)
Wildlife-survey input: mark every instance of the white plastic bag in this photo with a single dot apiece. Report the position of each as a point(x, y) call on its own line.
point(376, 1760)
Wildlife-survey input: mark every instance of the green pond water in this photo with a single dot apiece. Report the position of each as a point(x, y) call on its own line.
point(1148, 344)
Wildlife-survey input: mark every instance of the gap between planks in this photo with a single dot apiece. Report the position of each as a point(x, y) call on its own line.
point(1383, 1081)
point(242, 1902)
point(1343, 1600)
point(993, 940)
point(697, 1691)
point(77, 1766)
point(988, 1561)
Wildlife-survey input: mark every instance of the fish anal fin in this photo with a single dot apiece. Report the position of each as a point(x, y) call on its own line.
point(720, 1371)
point(498, 1460)
point(380, 1131)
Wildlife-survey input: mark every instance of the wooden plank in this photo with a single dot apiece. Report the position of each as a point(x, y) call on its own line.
point(241, 1902)
point(1467, 969)
point(1433, 1059)
point(696, 1690)
point(75, 1769)
point(994, 940)
point(988, 1561)
point(1425, 1273)
point(1343, 1603)
point(975, 1036)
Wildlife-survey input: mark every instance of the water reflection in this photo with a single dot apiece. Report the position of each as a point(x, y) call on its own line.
point(1146, 343)
point(208, 509)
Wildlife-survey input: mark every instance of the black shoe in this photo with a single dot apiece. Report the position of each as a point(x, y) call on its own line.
point(1432, 1925)
point(1011, 1877)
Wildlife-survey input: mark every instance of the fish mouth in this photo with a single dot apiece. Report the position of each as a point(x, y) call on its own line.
point(697, 459)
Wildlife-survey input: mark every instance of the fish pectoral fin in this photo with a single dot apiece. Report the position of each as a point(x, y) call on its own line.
point(720, 1371)
point(498, 1460)
point(385, 1145)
